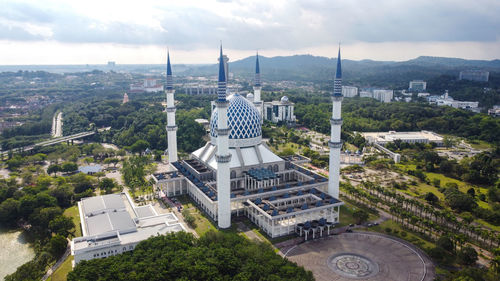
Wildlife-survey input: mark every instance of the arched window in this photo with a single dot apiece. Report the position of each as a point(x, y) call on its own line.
point(233, 174)
point(276, 167)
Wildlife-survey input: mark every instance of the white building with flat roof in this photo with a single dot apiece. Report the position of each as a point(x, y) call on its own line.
point(112, 225)
point(383, 95)
point(349, 91)
point(279, 111)
point(410, 137)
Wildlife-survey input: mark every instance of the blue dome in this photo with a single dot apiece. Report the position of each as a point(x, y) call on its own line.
point(243, 120)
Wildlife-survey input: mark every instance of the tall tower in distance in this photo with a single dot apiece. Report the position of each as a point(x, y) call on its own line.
point(223, 156)
point(171, 127)
point(335, 142)
point(257, 87)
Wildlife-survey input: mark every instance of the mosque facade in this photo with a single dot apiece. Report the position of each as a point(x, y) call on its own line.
point(236, 174)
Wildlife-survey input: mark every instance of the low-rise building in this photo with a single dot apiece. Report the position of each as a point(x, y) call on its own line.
point(280, 111)
point(383, 138)
point(112, 225)
point(349, 91)
point(495, 111)
point(449, 101)
point(149, 85)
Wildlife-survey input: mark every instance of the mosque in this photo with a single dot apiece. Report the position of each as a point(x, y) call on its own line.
point(236, 174)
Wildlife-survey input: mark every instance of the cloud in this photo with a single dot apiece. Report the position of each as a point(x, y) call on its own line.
point(250, 25)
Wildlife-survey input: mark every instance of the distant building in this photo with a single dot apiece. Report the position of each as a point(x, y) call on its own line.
point(149, 85)
point(365, 94)
point(349, 91)
point(112, 225)
point(383, 95)
point(125, 98)
point(111, 64)
point(495, 111)
point(410, 137)
point(200, 89)
point(204, 122)
point(417, 86)
point(279, 111)
point(423, 95)
point(449, 101)
point(474, 75)
point(197, 89)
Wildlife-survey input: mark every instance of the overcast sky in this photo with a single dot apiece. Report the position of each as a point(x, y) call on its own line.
point(139, 31)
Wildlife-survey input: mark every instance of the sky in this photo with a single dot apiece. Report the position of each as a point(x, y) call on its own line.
point(140, 31)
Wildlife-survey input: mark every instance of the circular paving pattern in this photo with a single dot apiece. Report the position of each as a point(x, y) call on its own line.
point(352, 265)
point(362, 256)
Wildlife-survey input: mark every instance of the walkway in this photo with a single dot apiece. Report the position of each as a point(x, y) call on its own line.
point(363, 256)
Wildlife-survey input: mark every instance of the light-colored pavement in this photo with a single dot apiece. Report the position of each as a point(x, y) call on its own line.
point(390, 259)
point(248, 232)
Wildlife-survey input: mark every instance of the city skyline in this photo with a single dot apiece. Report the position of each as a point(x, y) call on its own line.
point(129, 32)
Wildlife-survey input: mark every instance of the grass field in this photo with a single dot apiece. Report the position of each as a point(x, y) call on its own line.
point(203, 224)
point(397, 229)
point(62, 272)
point(346, 212)
point(73, 213)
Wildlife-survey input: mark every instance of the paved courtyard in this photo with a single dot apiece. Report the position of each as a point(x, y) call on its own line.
point(362, 256)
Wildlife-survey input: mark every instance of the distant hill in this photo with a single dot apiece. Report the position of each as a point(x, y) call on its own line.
point(363, 72)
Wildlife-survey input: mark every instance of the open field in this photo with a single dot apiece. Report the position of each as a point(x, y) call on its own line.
point(73, 213)
point(62, 272)
point(203, 224)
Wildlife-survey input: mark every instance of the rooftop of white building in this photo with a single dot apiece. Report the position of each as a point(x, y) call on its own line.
point(382, 137)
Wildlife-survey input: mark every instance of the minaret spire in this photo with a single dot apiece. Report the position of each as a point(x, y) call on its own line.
point(257, 71)
point(171, 127)
point(257, 88)
point(335, 142)
point(222, 155)
point(222, 84)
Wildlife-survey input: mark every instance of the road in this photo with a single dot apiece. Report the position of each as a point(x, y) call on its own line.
point(57, 126)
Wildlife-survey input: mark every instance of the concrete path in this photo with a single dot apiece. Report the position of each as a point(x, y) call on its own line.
point(363, 256)
point(53, 268)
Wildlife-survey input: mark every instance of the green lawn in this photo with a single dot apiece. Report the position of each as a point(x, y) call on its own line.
point(62, 272)
point(203, 224)
point(424, 188)
point(410, 237)
point(73, 213)
point(346, 212)
point(479, 144)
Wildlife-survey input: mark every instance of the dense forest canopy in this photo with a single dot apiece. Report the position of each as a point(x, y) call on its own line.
point(180, 256)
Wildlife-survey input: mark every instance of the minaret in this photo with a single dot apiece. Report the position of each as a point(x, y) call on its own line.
point(256, 89)
point(171, 127)
point(335, 142)
point(223, 156)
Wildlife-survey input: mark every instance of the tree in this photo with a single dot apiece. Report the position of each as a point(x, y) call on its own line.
point(61, 225)
point(139, 146)
point(113, 161)
point(107, 184)
point(53, 169)
point(360, 216)
point(68, 167)
point(8, 211)
point(467, 255)
point(180, 256)
point(446, 243)
point(57, 246)
point(431, 198)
